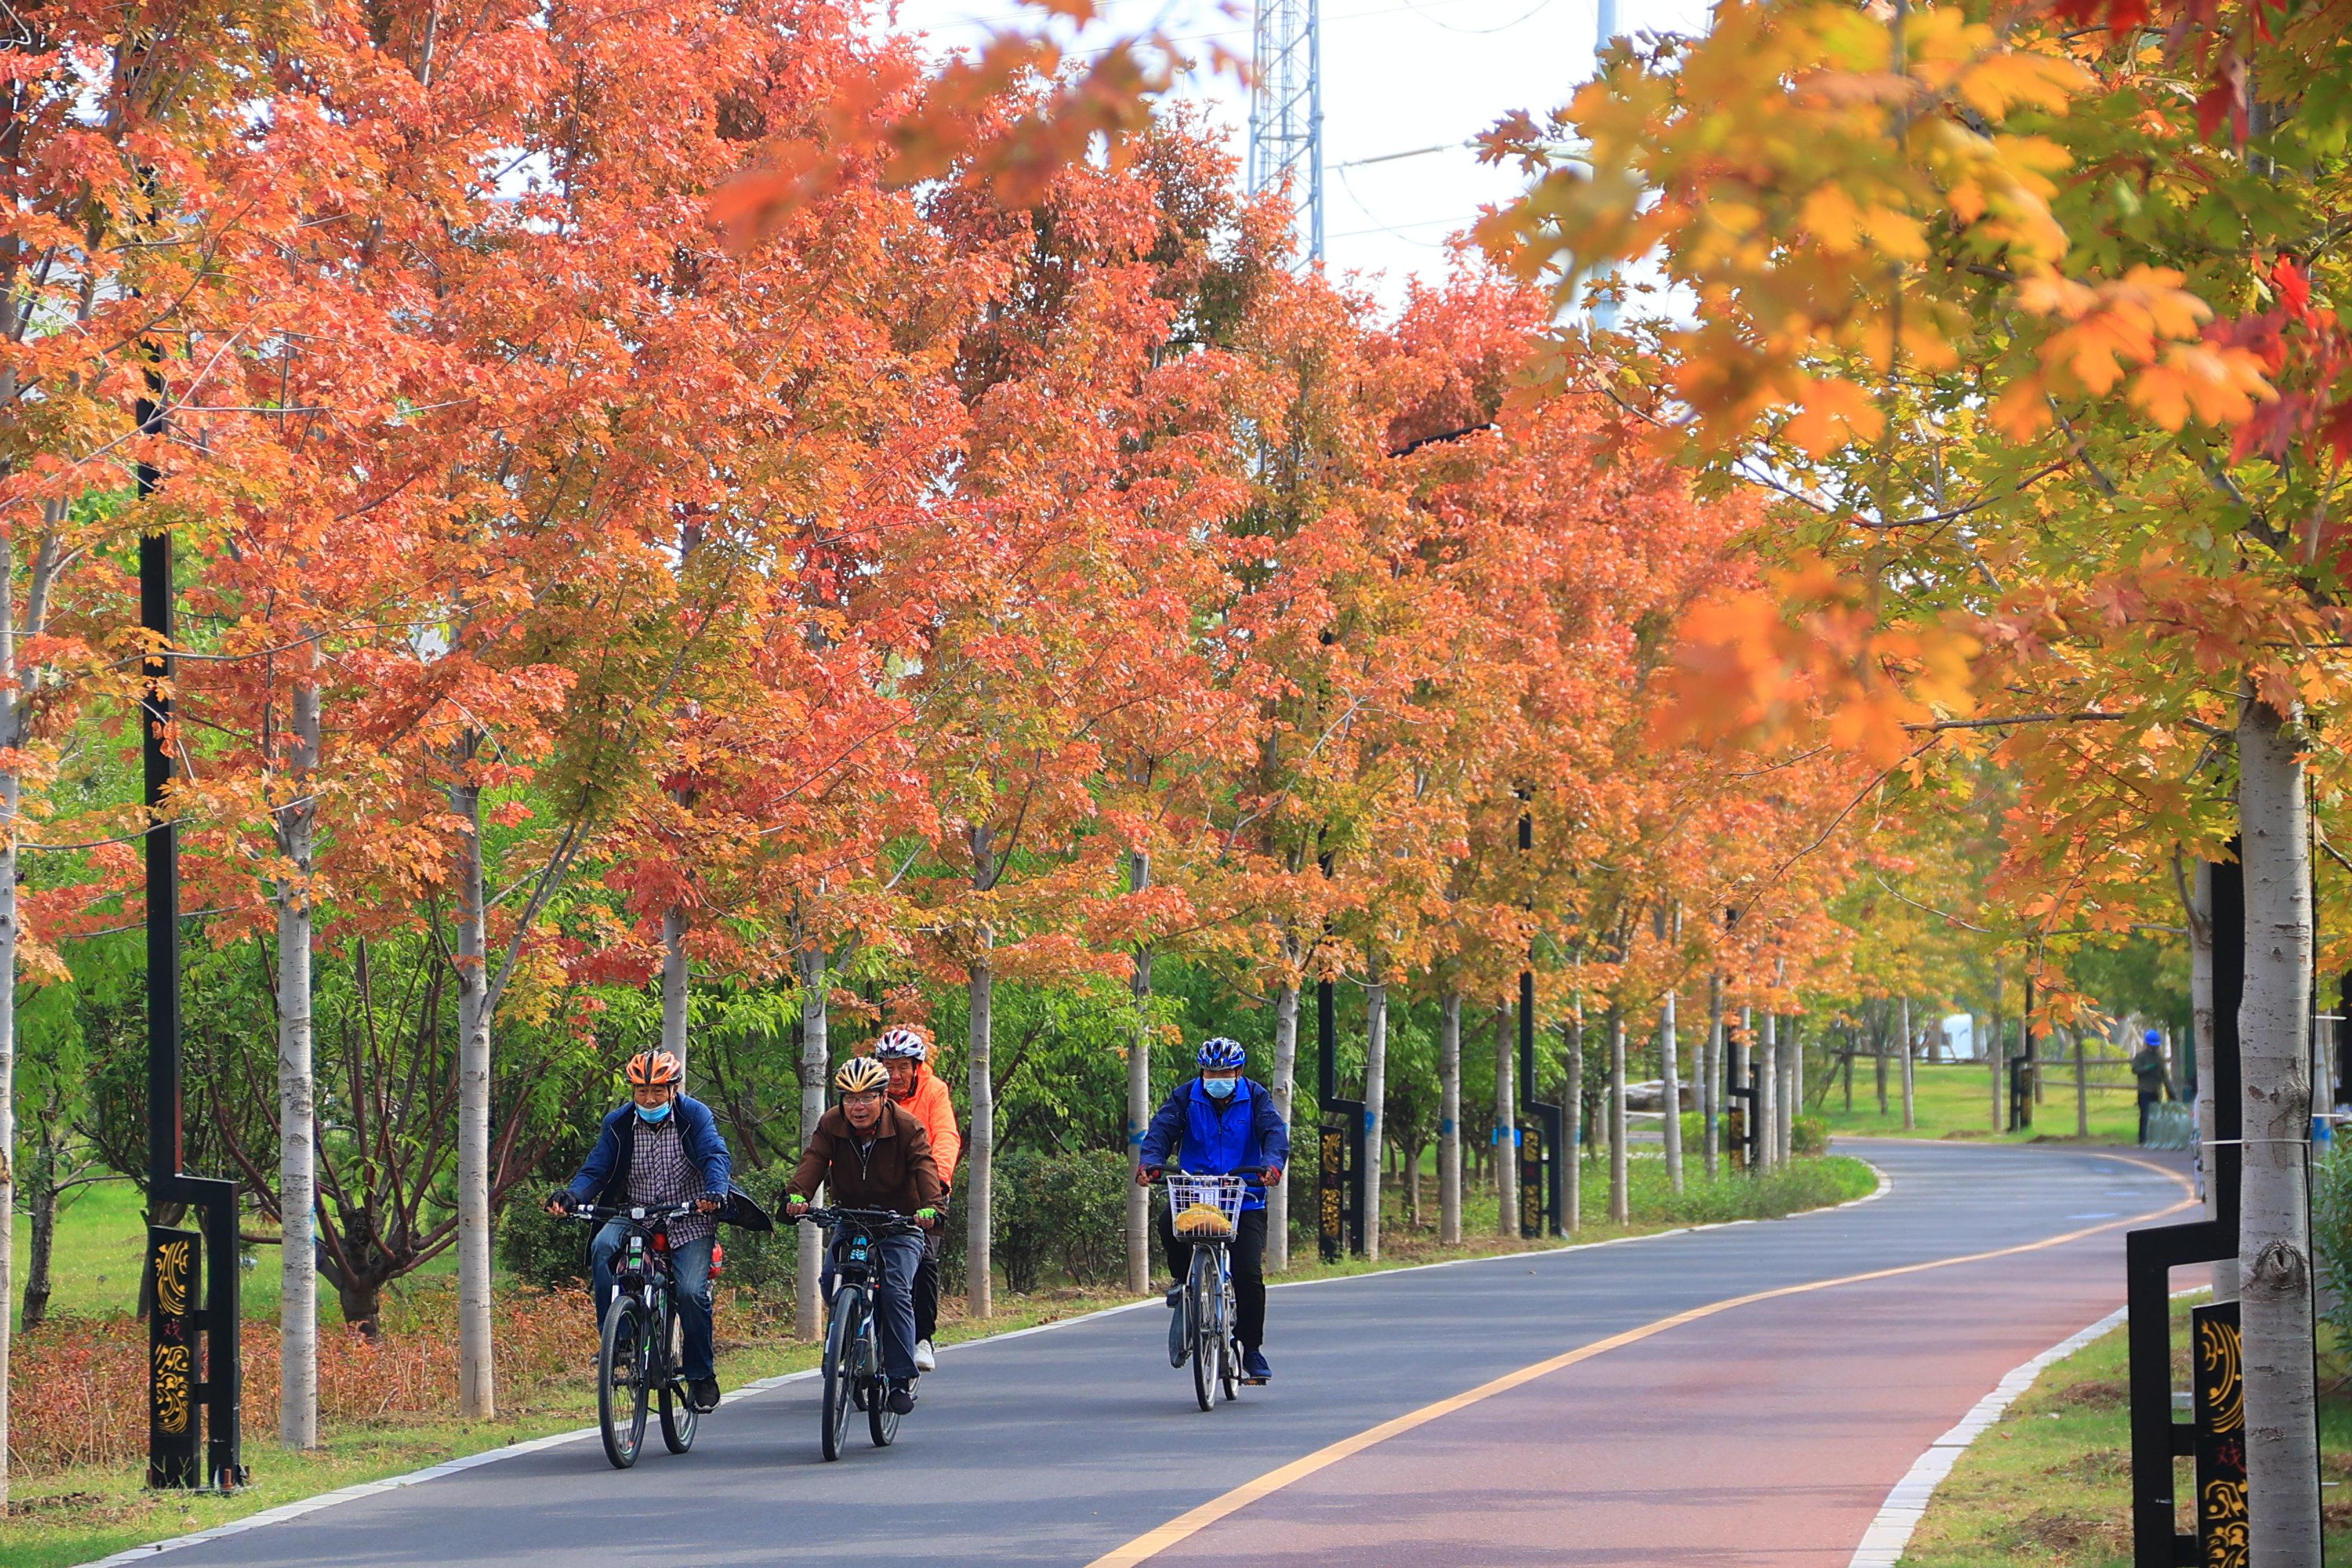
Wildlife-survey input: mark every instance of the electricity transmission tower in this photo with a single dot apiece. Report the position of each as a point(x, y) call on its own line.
point(1285, 122)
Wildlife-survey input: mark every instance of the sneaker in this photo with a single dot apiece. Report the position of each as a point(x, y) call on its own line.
point(702, 1392)
point(1254, 1367)
point(925, 1360)
point(902, 1395)
point(1180, 1341)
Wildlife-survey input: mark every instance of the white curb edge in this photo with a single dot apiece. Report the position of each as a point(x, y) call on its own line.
point(301, 1506)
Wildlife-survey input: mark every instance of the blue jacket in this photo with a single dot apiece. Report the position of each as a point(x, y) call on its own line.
point(603, 1180)
point(1213, 1137)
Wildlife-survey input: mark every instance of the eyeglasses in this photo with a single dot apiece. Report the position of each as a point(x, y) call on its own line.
point(863, 1097)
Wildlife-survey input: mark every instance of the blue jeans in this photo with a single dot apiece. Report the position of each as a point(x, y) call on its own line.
point(896, 1259)
point(689, 1268)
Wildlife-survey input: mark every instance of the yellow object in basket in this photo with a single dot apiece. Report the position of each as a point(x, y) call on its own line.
point(1202, 1217)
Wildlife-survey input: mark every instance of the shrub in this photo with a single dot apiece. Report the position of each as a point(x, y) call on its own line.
point(539, 1247)
point(1053, 1213)
point(1808, 1135)
point(2331, 1237)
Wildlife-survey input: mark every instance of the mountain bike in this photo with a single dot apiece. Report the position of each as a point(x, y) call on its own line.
point(853, 1345)
point(1205, 1211)
point(642, 1355)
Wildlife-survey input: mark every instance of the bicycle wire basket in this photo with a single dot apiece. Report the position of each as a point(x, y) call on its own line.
point(1206, 1207)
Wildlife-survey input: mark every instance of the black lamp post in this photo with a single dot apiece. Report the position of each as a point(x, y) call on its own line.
point(194, 1369)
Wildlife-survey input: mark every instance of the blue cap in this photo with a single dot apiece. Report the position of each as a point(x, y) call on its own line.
point(2153, 1037)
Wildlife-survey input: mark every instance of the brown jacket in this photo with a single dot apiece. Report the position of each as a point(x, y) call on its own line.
point(897, 1173)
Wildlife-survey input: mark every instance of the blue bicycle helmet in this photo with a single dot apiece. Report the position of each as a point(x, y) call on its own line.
point(1221, 1052)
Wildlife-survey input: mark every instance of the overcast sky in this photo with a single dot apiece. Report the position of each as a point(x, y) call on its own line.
point(1398, 75)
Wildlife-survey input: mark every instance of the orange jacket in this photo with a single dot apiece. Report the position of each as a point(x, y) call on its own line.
point(931, 1105)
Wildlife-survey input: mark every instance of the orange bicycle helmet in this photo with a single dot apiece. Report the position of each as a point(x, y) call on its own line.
point(655, 1068)
point(860, 1074)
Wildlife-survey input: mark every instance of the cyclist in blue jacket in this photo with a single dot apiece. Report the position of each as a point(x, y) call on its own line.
point(1213, 1125)
point(664, 1147)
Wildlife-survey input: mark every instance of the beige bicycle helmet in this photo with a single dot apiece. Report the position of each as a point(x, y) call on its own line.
point(859, 1075)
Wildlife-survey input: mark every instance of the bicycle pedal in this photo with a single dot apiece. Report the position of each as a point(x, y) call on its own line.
point(1252, 1382)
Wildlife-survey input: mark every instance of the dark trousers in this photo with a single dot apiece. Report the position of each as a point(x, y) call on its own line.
point(690, 1268)
point(2145, 1101)
point(927, 1289)
point(1248, 1249)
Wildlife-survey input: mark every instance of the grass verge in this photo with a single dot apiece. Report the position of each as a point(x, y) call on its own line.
point(2051, 1481)
point(88, 1511)
point(1955, 1101)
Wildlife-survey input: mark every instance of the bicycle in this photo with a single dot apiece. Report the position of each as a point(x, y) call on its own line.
point(644, 1315)
point(852, 1349)
point(1205, 1211)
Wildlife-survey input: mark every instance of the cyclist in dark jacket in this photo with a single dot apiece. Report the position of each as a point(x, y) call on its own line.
point(1212, 1125)
point(662, 1148)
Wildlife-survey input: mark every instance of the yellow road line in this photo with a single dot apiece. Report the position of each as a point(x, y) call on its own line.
point(1154, 1542)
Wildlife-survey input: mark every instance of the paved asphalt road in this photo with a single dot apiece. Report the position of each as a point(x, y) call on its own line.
point(1768, 1432)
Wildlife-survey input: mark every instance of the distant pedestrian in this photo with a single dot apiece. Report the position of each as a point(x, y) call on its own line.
point(2147, 1069)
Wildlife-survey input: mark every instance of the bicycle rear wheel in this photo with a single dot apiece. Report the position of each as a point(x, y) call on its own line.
point(840, 1369)
point(622, 1363)
point(1208, 1339)
point(677, 1416)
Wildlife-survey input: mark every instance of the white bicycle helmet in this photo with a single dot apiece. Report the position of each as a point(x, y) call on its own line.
point(901, 1045)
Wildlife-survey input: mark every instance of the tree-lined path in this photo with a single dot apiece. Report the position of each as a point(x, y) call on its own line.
point(1767, 1432)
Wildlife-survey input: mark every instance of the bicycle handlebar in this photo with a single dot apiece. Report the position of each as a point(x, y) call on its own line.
point(881, 1222)
point(643, 1213)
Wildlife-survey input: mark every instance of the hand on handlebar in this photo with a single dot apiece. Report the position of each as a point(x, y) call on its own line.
point(559, 1202)
point(796, 1207)
point(1145, 1176)
point(927, 1218)
point(706, 1206)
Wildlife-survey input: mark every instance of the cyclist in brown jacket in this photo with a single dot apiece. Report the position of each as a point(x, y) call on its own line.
point(873, 1155)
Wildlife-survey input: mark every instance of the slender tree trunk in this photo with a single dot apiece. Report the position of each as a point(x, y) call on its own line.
point(1449, 1117)
point(1621, 1198)
point(1285, 1072)
point(2081, 1088)
point(1910, 1096)
point(1669, 1073)
point(2274, 1221)
point(2200, 1015)
point(297, 1296)
point(1506, 1110)
point(477, 1389)
point(1376, 1086)
point(816, 1066)
point(12, 735)
point(1711, 1076)
point(1139, 1103)
point(1792, 1056)
point(1571, 1108)
point(673, 983)
point(1878, 1043)
point(1767, 1096)
point(1997, 1045)
point(981, 1149)
point(43, 1192)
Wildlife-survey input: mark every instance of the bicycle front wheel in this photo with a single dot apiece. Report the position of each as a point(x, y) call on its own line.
point(677, 1417)
point(840, 1365)
point(1208, 1337)
point(622, 1368)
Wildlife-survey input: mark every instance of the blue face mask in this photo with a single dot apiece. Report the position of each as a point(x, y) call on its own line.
point(660, 1113)
point(1220, 1088)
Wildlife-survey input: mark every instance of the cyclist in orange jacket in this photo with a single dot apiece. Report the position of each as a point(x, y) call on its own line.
point(918, 1091)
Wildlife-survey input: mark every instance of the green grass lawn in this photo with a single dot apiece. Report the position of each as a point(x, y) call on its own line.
point(1955, 1101)
point(2051, 1481)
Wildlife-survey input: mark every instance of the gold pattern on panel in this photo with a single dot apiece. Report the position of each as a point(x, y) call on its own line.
point(2225, 1536)
point(2216, 1347)
point(172, 1278)
point(171, 1390)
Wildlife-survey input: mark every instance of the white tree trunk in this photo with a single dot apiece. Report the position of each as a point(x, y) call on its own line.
point(1621, 1197)
point(1449, 1117)
point(1711, 1076)
point(298, 1298)
point(1376, 1086)
point(2275, 1276)
point(12, 709)
point(1506, 1153)
point(673, 983)
point(2200, 1018)
point(1784, 1105)
point(476, 1387)
point(1669, 1071)
point(1573, 1132)
point(1910, 1102)
point(1285, 1072)
point(816, 1063)
point(980, 1148)
point(1139, 1104)
point(1767, 1096)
